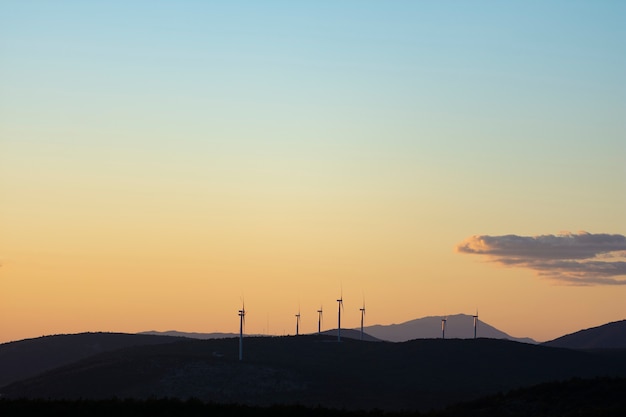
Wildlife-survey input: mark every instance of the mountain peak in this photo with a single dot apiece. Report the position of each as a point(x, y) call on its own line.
point(458, 326)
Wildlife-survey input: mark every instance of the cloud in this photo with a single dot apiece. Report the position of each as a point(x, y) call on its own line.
point(574, 258)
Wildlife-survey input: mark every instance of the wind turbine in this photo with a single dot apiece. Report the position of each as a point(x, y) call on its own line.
point(475, 323)
point(298, 323)
point(242, 323)
point(319, 320)
point(443, 327)
point(339, 308)
point(362, 317)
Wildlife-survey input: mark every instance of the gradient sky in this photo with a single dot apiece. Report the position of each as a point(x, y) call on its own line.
point(162, 160)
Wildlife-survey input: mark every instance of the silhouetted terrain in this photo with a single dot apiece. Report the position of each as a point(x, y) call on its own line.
point(316, 370)
point(351, 334)
point(191, 335)
point(608, 336)
point(30, 357)
point(348, 333)
point(459, 326)
point(576, 398)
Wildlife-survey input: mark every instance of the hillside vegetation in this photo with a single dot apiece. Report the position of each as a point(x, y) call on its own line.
point(607, 336)
point(316, 370)
point(599, 397)
point(29, 357)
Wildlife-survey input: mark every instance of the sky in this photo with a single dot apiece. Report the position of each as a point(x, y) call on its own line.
point(163, 162)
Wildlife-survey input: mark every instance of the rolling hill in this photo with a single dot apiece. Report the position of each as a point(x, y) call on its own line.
point(29, 357)
point(607, 336)
point(593, 397)
point(316, 370)
point(190, 335)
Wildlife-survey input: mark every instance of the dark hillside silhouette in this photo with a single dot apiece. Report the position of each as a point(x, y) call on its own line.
point(351, 334)
point(311, 370)
point(29, 357)
point(596, 397)
point(607, 336)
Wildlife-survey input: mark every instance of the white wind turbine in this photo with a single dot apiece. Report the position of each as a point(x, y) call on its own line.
point(362, 317)
point(242, 323)
point(443, 327)
point(298, 323)
point(319, 320)
point(475, 323)
point(339, 308)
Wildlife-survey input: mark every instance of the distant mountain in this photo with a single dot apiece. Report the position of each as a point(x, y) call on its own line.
point(29, 357)
point(608, 336)
point(347, 333)
point(459, 326)
point(316, 370)
point(191, 335)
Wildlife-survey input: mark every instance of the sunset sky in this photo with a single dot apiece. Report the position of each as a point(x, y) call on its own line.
point(160, 161)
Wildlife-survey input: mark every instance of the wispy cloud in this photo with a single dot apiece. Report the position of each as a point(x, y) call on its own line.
point(575, 258)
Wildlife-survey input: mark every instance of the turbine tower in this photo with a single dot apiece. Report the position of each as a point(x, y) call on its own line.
point(443, 327)
point(242, 322)
point(298, 323)
point(319, 320)
point(362, 317)
point(475, 323)
point(339, 308)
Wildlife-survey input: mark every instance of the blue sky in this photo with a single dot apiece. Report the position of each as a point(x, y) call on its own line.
point(311, 133)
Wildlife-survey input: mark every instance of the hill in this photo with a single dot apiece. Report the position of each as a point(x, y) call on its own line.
point(459, 326)
point(191, 335)
point(607, 336)
point(351, 334)
point(316, 370)
point(29, 357)
point(575, 397)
